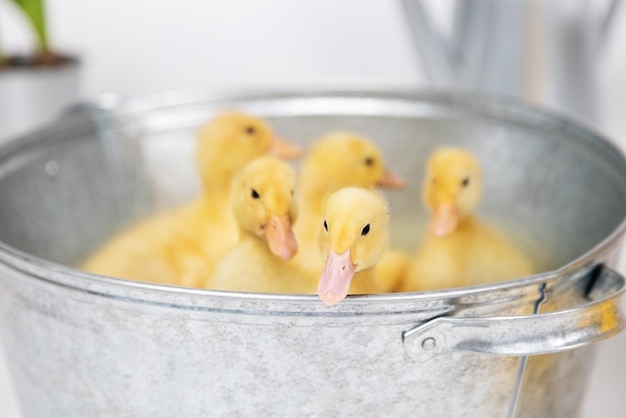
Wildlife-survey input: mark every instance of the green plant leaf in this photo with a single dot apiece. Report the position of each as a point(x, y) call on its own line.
point(34, 10)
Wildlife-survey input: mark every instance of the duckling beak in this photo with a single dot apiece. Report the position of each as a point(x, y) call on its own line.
point(444, 219)
point(335, 282)
point(391, 181)
point(285, 149)
point(280, 237)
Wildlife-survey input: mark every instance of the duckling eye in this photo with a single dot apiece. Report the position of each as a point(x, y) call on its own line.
point(433, 180)
point(250, 130)
point(325, 225)
point(255, 194)
point(365, 230)
point(369, 161)
point(465, 182)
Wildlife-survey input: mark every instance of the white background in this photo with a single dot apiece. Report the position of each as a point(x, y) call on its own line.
point(138, 46)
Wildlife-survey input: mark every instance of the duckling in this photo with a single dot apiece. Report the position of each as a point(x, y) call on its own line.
point(391, 270)
point(264, 209)
point(181, 247)
point(353, 237)
point(459, 250)
point(334, 161)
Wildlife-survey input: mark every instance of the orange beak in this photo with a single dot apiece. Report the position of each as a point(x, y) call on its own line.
point(444, 219)
point(285, 149)
point(391, 181)
point(280, 237)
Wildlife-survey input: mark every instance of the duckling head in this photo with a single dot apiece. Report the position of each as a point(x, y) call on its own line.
point(452, 188)
point(344, 159)
point(263, 203)
point(231, 140)
point(353, 237)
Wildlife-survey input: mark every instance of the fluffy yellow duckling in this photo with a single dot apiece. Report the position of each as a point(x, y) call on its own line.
point(334, 161)
point(459, 250)
point(391, 270)
point(264, 209)
point(353, 237)
point(182, 247)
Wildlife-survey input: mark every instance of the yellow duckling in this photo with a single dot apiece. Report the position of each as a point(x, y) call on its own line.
point(391, 270)
point(264, 209)
point(182, 247)
point(334, 161)
point(353, 237)
point(459, 250)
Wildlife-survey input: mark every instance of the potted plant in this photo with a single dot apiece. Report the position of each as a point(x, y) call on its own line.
point(36, 86)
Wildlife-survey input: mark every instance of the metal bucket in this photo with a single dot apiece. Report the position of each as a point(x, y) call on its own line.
point(83, 345)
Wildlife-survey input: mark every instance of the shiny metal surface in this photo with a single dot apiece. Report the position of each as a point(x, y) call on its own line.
point(546, 51)
point(525, 335)
point(82, 345)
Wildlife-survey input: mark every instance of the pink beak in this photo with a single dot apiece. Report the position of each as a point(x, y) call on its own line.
point(280, 237)
point(335, 282)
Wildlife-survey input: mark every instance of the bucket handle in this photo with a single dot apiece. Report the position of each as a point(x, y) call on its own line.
point(529, 334)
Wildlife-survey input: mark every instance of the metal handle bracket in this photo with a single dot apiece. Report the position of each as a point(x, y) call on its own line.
point(525, 335)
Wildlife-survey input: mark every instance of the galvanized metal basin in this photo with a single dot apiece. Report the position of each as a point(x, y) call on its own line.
point(84, 345)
